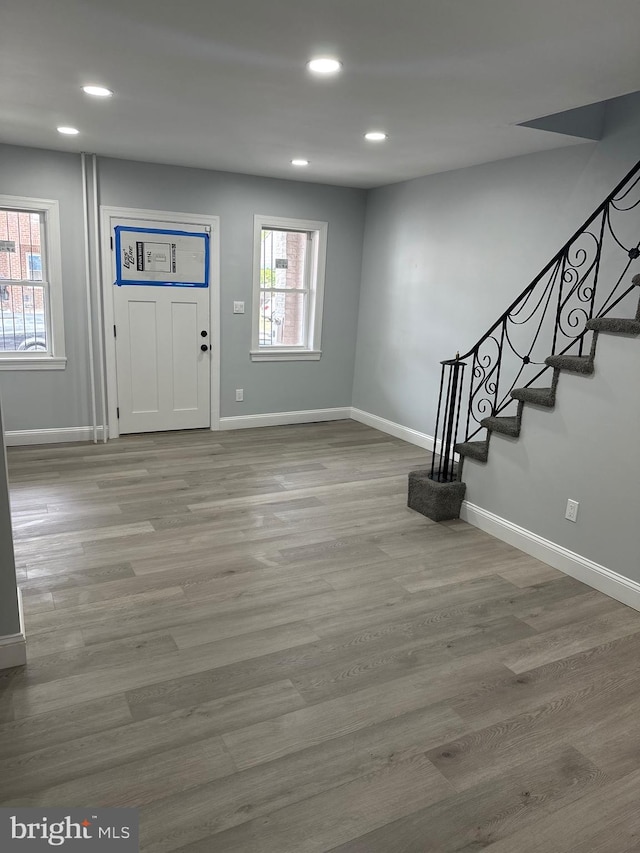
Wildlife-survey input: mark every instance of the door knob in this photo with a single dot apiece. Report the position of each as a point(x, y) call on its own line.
point(204, 347)
point(203, 333)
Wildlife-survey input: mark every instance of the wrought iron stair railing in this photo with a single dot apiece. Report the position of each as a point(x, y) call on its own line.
point(587, 278)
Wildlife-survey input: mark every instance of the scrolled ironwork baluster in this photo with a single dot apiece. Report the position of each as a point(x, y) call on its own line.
point(474, 366)
point(497, 379)
point(596, 274)
point(559, 308)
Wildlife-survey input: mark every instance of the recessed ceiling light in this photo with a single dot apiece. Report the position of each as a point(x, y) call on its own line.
point(97, 91)
point(324, 65)
point(69, 131)
point(375, 136)
point(299, 162)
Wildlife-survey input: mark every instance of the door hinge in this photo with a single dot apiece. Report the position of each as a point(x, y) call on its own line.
point(111, 241)
point(115, 334)
point(118, 412)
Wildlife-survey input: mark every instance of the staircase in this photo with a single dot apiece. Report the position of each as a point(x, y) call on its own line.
point(551, 328)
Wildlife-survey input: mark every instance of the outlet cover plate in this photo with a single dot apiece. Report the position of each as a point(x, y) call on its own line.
point(571, 513)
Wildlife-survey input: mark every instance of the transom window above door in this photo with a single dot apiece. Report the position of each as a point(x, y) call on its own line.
point(289, 265)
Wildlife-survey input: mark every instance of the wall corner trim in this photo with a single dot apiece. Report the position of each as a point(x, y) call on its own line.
point(281, 418)
point(593, 574)
point(13, 647)
point(421, 439)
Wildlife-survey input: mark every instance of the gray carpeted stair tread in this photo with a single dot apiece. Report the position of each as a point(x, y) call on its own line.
point(619, 325)
point(478, 450)
point(505, 425)
point(573, 363)
point(538, 396)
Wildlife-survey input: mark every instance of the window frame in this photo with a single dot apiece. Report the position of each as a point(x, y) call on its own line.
point(51, 255)
point(316, 266)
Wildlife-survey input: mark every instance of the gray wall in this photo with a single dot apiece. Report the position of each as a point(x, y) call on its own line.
point(52, 398)
point(9, 618)
point(586, 449)
point(443, 257)
point(36, 400)
point(446, 254)
point(268, 387)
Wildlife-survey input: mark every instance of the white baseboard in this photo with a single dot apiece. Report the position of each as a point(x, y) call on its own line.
point(13, 648)
point(281, 418)
point(579, 567)
point(421, 439)
point(14, 438)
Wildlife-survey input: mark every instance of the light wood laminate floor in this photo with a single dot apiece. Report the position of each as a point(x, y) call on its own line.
point(250, 637)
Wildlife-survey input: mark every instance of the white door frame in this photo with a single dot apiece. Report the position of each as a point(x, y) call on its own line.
point(106, 213)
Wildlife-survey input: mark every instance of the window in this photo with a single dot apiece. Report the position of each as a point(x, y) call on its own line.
point(31, 332)
point(289, 264)
point(34, 266)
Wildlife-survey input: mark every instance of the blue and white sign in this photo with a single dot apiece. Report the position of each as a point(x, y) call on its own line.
point(161, 257)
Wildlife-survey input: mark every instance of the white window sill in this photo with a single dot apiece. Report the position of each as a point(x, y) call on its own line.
point(46, 362)
point(274, 354)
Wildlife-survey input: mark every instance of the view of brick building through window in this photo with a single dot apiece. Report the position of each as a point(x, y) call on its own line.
point(283, 288)
point(22, 306)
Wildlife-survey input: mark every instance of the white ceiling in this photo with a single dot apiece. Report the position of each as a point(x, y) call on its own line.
point(222, 84)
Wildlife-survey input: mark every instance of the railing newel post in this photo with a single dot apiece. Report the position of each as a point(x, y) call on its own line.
point(450, 418)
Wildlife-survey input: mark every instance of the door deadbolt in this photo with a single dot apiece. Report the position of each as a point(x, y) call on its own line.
point(203, 333)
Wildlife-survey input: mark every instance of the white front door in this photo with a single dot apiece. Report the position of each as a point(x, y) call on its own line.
point(162, 327)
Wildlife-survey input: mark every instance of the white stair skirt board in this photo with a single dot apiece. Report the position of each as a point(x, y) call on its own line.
point(610, 583)
point(279, 418)
point(13, 648)
point(14, 438)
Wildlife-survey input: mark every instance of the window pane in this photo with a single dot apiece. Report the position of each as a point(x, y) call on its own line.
point(34, 266)
point(22, 318)
point(283, 259)
point(20, 246)
point(282, 319)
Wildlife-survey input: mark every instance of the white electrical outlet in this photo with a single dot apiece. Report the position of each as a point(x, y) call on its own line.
point(239, 395)
point(572, 510)
point(238, 307)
